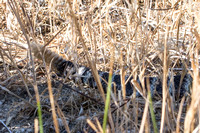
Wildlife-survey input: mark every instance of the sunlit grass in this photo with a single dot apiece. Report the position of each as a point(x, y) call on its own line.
point(140, 38)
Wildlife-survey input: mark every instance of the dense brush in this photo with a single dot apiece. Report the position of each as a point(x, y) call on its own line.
point(77, 73)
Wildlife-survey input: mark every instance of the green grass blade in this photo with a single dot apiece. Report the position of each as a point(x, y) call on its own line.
point(152, 113)
point(40, 117)
point(105, 118)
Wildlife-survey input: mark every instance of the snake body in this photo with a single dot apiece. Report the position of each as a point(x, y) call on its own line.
point(84, 74)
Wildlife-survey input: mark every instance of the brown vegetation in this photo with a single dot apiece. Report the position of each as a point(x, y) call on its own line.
point(143, 38)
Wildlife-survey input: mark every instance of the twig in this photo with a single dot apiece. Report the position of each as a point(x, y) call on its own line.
point(5, 126)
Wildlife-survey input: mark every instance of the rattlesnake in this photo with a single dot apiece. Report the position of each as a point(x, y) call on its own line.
point(84, 74)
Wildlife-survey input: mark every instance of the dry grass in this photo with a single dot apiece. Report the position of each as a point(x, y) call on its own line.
point(149, 38)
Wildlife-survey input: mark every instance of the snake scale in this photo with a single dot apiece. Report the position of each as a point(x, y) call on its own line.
point(68, 69)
